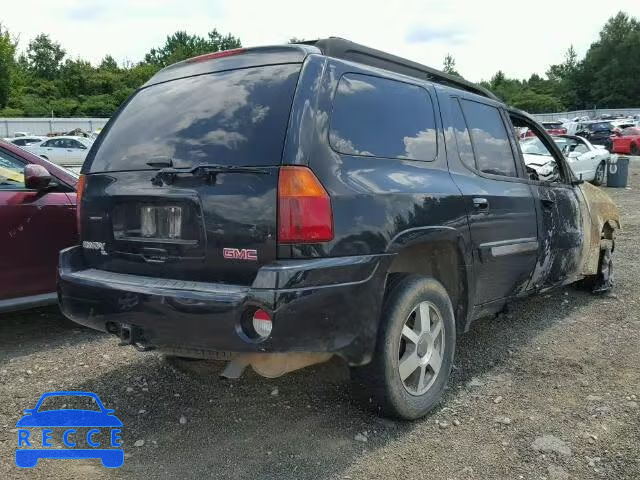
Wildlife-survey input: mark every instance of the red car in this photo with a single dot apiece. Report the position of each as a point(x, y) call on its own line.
point(38, 218)
point(554, 128)
point(627, 141)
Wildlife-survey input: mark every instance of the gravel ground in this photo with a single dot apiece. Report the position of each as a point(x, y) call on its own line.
point(548, 391)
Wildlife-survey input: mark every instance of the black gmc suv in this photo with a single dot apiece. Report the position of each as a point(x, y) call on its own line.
point(276, 206)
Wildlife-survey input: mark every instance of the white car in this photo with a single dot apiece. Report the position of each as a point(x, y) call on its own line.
point(68, 152)
point(26, 140)
point(587, 162)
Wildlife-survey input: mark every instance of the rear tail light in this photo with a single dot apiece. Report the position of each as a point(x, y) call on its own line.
point(262, 323)
point(304, 207)
point(79, 194)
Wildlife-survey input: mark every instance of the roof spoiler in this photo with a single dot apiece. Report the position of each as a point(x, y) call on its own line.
point(344, 49)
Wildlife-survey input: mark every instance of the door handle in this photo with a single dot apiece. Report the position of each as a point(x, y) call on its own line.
point(481, 204)
point(548, 203)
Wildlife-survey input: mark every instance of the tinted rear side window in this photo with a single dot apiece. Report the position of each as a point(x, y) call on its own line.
point(378, 117)
point(463, 140)
point(490, 139)
point(237, 117)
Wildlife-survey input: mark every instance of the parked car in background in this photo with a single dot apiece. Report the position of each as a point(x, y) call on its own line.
point(621, 124)
point(375, 225)
point(554, 128)
point(66, 151)
point(627, 141)
point(37, 214)
point(588, 162)
point(597, 132)
point(539, 162)
point(26, 140)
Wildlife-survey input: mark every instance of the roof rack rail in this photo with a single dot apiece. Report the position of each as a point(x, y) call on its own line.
point(344, 49)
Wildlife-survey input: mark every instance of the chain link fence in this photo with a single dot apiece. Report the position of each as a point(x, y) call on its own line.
point(45, 126)
point(594, 113)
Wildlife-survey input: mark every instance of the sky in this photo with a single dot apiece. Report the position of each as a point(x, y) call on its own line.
point(518, 37)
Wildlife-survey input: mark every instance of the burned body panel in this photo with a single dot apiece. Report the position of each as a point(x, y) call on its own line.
point(601, 219)
point(561, 233)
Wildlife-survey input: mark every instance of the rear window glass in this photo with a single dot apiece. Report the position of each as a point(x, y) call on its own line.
point(237, 117)
point(378, 117)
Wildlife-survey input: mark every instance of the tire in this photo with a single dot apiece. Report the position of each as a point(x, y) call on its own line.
point(602, 281)
point(635, 150)
point(598, 179)
point(379, 384)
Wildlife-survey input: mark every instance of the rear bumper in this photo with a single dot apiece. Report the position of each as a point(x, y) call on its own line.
point(318, 305)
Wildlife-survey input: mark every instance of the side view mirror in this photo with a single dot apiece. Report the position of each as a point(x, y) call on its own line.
point(29, 411)
point(574, 154)
point(36, 177)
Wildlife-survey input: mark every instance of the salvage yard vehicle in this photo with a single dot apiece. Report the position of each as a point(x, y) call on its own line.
point(37, 212)
point(597, 132)
point(587, 162)
point(627, 141)
point(275, 206)
point(25, 140)
point(554, 128)
point(66, 151)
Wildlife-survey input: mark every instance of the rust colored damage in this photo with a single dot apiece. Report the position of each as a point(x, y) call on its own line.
point(599, 226)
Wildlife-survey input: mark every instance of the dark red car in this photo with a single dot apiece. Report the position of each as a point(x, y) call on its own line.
point(554, 128)
point(627, 141)
point(38, 219)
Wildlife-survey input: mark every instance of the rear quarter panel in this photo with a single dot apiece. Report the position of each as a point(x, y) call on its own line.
point(375, 200)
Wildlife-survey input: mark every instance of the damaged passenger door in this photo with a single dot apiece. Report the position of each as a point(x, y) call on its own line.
point(560, 223)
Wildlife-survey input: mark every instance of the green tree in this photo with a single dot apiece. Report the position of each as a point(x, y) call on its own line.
point(449, 65)
point(7, 53)
point(75, 76)
point(181, 45)
point(609, 74)
point(530, 101)
point(45, 57)
point(109, 63)
point(565, 79)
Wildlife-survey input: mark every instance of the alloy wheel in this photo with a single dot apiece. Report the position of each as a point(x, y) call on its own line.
point(421, 348)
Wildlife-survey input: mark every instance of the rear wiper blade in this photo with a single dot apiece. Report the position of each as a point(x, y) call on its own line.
point(207, 171)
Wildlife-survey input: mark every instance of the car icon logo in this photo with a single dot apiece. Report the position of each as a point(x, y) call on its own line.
point(86, 433)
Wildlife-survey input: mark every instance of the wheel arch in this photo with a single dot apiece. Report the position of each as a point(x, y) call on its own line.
point(441, 253)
